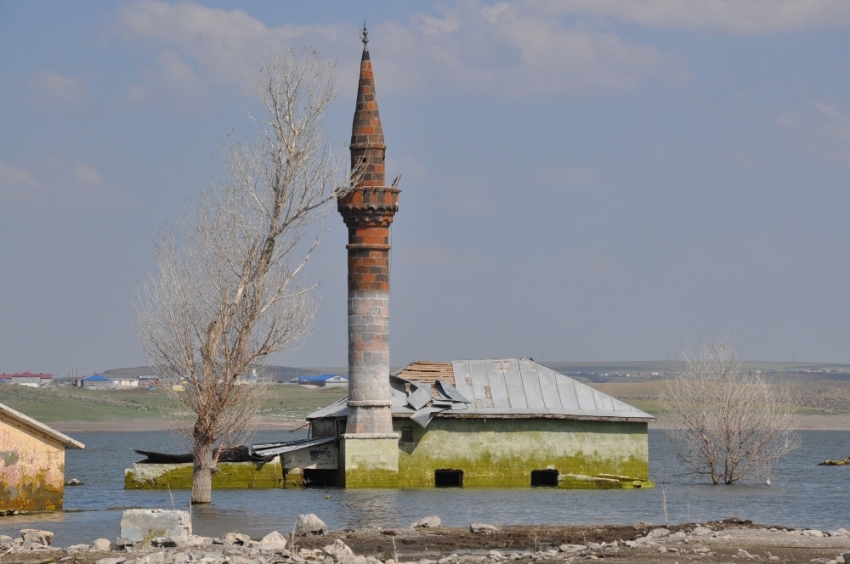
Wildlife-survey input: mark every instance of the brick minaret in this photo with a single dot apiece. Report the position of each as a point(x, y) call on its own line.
point(368, 211)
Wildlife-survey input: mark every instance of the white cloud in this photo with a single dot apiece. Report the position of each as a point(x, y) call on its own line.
point(738, 16)
point(50, 87)
point(18, 185)
point(221, 43)
point(171, 80)
point(59, 180)
point(502, 50)
point(508, 50)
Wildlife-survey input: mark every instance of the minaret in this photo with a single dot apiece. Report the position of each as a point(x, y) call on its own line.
point(369, 446)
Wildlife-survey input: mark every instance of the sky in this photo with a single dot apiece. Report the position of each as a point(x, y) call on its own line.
point(583, 180)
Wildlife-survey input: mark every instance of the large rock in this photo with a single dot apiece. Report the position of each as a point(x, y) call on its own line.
point(273, 541)
point(339, 551)
point(37, 537)
point(143, 525)
point(428, 522)
point(309, 524)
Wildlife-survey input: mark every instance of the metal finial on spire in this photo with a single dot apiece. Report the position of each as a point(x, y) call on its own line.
point(364, 36)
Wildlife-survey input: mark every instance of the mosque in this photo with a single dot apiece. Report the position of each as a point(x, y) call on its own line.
point(466, 423)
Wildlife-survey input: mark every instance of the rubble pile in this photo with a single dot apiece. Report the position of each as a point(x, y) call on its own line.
point(311, 543)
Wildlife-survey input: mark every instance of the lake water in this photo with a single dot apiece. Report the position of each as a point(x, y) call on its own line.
point(802, 494)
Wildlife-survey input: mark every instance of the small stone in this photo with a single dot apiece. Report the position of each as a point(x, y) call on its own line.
point(812, 533)
point(496, 555)
point(630, 544)
point(118, 560)
point(73, 482)
point(676, 537)
point(484, 528)
point(427, 522)
point(78, 548)
point(658, 533)
point(741, 553)
point(100, 545)
point(239, 538)
point(37, 537)
point(447, 559)
point(662, 549)
point(5, 541)
point(701, 531)
point(309, 524)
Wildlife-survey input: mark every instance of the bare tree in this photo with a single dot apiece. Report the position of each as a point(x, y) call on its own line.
point(229, 289)
point(731, 424)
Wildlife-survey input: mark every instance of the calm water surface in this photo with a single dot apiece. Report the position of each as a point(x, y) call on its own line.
point(802, 494)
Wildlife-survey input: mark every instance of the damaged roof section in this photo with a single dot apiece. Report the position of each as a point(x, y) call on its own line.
point(496, 388)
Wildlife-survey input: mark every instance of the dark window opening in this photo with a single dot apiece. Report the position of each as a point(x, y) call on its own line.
point(407, 434)
point(320, 478)
point(544, 478)
point(448, 478)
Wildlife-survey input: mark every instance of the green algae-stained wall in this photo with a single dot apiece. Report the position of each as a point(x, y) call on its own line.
point(503, 452)
point(230, 476)
point(369, 462)
point(32, 470)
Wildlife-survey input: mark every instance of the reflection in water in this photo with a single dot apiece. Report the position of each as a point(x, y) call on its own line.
point(802, 494)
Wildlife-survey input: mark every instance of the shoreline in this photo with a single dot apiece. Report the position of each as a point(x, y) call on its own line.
point(838, 422)
point(643, 543)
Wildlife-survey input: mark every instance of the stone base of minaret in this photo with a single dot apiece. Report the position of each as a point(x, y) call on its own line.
point(369, 460)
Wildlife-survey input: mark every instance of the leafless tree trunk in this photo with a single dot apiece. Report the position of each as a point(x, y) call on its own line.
point(731, 424)
point(229, 289)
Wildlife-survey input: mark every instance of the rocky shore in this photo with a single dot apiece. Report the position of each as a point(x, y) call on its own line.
point(426, 542)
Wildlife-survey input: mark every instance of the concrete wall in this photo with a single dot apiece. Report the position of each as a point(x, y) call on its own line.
point(32, 469)
point(230, 476)
point(503, 452)
point(369, 461)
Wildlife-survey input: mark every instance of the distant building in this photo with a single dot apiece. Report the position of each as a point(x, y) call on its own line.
point(32, 463)
point(125, 382)
point(94, 382)
point(335, 382)
point(320, 379)
point(27, 379)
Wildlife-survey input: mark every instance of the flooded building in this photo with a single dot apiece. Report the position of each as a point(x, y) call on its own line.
point(495, 423)
point(32, 463)
point(505, 423)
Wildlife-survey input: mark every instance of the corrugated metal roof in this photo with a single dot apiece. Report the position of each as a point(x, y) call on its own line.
point(498, 388)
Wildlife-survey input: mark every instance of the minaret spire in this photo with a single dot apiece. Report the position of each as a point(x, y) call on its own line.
point(369, 446)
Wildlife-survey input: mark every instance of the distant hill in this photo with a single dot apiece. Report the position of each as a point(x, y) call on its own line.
point(276, 373)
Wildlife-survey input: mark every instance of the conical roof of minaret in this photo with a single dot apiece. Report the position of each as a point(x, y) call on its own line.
point(367, 131)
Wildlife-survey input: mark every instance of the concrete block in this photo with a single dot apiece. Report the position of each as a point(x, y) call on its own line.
point(143, 525)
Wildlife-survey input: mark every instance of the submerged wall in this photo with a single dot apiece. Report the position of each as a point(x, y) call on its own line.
point(504, 452)
point(229, 476)
point(32, 470)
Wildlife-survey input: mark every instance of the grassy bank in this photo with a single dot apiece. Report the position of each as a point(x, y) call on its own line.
point(67, 403)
